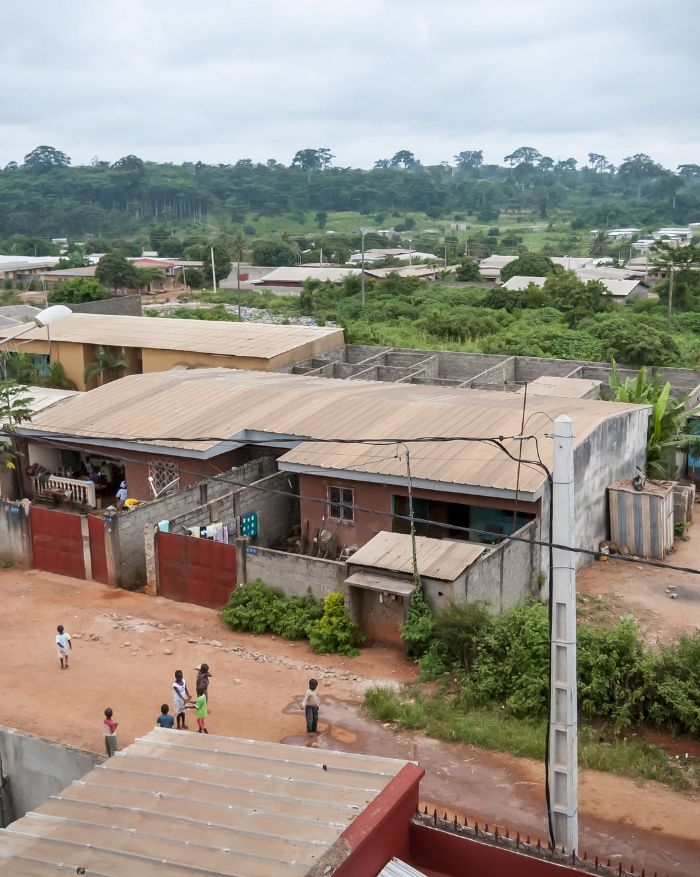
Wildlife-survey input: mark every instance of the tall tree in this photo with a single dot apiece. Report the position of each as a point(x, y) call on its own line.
point(115, 272)
point(639, 169)
point(599, 162)
point(45, 158)
point(405, 159)
point(469, 158)
point(522, 155)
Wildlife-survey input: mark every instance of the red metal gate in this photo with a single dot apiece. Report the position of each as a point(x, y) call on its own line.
point(195, 570)
point(98, 558)
point(57, 542)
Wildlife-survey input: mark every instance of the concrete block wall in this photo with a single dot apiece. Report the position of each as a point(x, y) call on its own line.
point(295, 574)
point(126, 529)
point(38, 768)
point(612, 452)
point(123, 305)
point(499, 375)
point(277, 512)
point(15, 533)
point(463, 366)
point(507, 575)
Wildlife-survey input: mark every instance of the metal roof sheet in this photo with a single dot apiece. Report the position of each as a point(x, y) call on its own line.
point(437, 558)
point(177, 803)
point(397, 868)
point(299, 274)
point(257, 340)
point(192, 405)
point(565, 388)
point(385, 584)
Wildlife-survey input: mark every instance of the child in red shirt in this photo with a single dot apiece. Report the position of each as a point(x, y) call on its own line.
point(110, 732)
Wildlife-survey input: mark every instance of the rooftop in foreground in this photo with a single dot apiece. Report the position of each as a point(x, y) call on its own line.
point(256, 340)
point(179, 803)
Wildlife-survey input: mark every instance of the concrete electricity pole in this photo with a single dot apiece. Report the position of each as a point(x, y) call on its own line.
point(563, 721)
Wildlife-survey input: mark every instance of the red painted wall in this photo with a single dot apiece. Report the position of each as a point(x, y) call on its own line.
point(455, 855)
point(382, 830)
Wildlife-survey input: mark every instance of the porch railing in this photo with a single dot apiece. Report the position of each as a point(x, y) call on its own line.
point(80, 491)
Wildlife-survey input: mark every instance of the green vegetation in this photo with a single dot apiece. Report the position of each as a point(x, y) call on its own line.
point(325, 624)
point(667, 423)
point(504, 660)
point(77, 290)
point(491, 727)
point(493, 691)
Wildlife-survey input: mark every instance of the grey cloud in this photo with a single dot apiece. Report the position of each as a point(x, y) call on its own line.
point(224, 80)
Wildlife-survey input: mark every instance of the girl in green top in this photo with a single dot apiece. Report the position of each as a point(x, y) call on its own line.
point(201, 712)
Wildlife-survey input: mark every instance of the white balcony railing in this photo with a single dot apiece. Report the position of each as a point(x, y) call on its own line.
point(79, 491)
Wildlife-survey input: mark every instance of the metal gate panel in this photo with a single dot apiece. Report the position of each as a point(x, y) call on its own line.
point(195, 570)
point(98, 557)
point(57, 542)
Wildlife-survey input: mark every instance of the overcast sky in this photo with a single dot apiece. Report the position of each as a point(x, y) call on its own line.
point(220, 80)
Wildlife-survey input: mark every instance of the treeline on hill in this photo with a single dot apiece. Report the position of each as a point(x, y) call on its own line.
point(45, 195)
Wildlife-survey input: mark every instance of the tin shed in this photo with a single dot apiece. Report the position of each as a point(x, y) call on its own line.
point(642, 520)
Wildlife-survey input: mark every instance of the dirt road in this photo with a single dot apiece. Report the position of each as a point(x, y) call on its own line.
point(664, 603)
point(127, 646)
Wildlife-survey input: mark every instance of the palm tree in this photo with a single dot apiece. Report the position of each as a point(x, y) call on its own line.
point(108, 365)
point(56, 378)
point(599, 245)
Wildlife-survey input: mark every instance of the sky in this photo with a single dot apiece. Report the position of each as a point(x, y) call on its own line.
point(221, 80)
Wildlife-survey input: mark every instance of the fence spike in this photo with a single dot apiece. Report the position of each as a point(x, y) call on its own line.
point(425, 811)
point(466, 822)
point(435, 817)
point(444, 818)
point(486, 828)
point(495, 833)
point(619, 869)
point(507, 835)
point(517, 840)
point(585, 855)
point(596, 863)
point(456, 823)
point(631, 869)
point(539, 844)
point(528, 840)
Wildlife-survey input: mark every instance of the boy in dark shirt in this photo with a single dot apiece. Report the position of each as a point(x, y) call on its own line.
point(165, 720)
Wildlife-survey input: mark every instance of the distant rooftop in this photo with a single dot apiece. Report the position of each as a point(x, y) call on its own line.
point(247, 340)
point(298, 274)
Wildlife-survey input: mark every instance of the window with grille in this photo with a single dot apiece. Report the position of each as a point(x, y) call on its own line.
point(162, 474)
point(341, 501)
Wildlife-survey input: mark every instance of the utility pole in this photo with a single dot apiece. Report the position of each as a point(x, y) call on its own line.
point(184, 277)
point(670, 296)
point(363, 232)
point(213, 269)
point(563, 717)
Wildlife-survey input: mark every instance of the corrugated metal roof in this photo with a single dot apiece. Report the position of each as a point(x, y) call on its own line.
point(179, 803)
point(256, 340)
point(380, 583)
point(299, 274)
point(397, 868)
point(521, 281)
point(564, 388)
point(437, 558)
point(44, 397)
point(189, 405)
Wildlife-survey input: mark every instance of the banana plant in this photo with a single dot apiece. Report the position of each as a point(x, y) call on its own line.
point(667, 432)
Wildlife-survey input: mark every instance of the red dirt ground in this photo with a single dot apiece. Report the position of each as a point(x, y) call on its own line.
point(127, 646)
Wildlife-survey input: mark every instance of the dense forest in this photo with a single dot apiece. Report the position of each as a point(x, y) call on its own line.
point(46, 196)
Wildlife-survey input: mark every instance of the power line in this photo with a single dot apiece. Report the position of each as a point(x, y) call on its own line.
point(223, 476)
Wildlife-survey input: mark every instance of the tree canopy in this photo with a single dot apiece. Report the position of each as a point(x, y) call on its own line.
point(528, 265)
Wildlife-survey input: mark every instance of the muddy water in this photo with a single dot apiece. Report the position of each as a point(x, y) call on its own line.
point(509, 792)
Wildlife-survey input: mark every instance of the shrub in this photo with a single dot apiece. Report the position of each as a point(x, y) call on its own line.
point(292, 618)
point(418, 630)
point(459, 628)
point(251, 607)
point(334, 631)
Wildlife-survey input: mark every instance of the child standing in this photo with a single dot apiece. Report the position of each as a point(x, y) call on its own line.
point(201, 707)
point(165, 720)
point(110, 731)
point(64, 646)
point(180, 697)
point(310, 706)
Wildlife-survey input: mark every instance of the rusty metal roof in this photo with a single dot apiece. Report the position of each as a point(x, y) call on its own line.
point(180, 803)
point(437, 558)
point(180, 408)
point(565, 388)
point(257, 340)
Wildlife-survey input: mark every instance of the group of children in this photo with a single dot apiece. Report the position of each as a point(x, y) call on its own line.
point(182, 700)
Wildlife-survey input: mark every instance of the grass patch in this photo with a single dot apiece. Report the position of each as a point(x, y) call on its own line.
point(493, 727)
